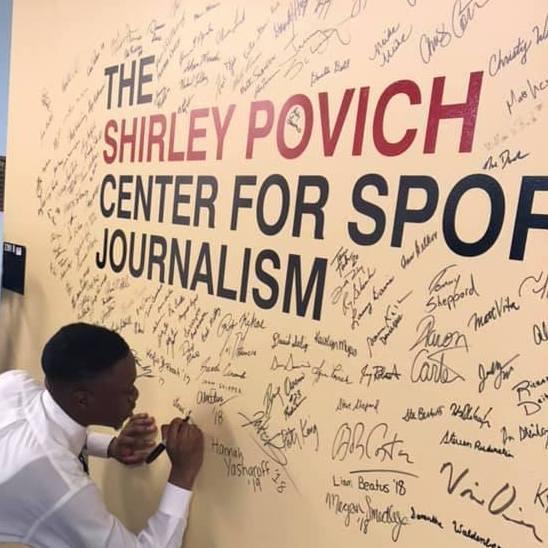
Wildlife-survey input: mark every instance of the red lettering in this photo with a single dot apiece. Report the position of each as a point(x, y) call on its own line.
point(142, 139)
point(174, 155)
point(330, 140)
point(196, 133)
point(360, 122)
point(111, 124)
point(468, 111)
point(156, 138)
point(302, 101)
point(221, 129)
point(385, 147)
point(255, 132)
point(128, 139)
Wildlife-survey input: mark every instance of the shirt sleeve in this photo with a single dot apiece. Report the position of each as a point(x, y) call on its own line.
point(84, 521)
point(97, 444)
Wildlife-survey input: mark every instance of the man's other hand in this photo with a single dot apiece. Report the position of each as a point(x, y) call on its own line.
point(135, 440)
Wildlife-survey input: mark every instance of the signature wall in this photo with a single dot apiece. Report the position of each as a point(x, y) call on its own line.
point(322, 228)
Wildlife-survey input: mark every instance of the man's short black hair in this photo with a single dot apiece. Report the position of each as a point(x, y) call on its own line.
point(81, 351)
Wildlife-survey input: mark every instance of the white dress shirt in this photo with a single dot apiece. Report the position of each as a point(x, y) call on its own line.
point(46, 499)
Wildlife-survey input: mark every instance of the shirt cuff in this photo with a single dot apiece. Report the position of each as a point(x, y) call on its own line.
point(175, 501)
point(97, 444)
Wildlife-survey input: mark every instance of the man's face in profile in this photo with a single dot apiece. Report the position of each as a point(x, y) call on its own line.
point(113, 394)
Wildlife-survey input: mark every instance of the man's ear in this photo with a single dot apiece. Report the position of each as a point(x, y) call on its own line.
point(82, 396)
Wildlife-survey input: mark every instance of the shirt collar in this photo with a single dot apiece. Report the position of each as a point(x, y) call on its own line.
point(74, 434)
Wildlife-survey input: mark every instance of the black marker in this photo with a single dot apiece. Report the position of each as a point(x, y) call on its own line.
point(156, 452)
point(160, 448)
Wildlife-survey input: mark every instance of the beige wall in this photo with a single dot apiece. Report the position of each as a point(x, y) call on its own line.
point(419, 389)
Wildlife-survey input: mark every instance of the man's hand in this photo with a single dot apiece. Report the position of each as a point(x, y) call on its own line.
point(185, 447)
point(135, 440)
